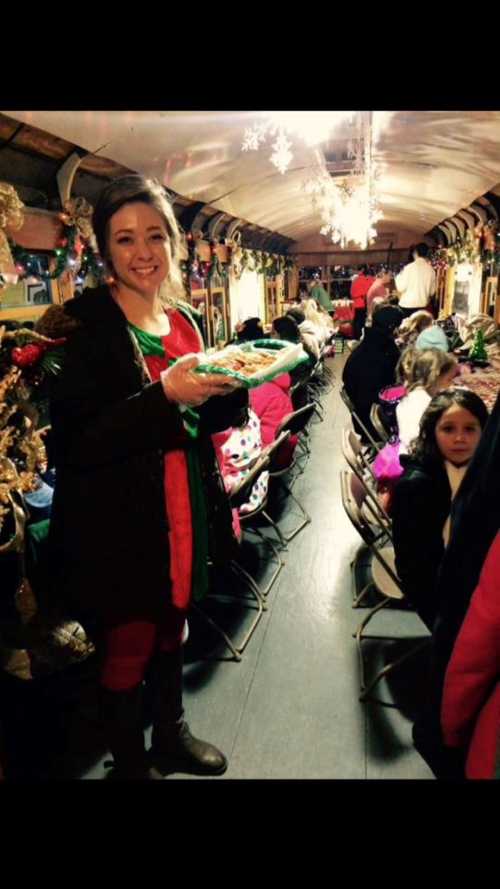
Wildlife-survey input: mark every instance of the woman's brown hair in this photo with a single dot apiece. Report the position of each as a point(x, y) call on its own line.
point(136, 189)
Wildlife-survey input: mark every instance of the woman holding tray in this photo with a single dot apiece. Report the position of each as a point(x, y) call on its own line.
point(139, 504)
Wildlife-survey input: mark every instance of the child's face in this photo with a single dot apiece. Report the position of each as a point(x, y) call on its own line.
point(457, 434)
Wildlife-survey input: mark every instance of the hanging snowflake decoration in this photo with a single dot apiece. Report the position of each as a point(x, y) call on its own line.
point(254, 136)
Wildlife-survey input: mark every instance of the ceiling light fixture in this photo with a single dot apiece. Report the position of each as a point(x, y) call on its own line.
point(348, 206)
point(311, 126)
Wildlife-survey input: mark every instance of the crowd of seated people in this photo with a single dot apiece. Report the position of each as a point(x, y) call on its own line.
point(445, 529)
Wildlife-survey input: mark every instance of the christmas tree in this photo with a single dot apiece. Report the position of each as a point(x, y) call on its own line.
point(478, 351)
point(25, 361)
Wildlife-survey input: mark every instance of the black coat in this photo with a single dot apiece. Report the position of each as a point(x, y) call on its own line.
point(111, 427)
point(370, 368)
point(421, 505)
point(475, 524)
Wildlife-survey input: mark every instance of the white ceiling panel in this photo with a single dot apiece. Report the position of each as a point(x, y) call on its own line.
point(431, 163)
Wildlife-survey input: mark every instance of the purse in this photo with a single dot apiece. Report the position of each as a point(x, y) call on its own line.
point(386, 467)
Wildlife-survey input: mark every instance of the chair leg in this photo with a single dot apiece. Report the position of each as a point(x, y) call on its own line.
point(261, 605)
point(366, 692)
point(358, 635)
point(220, 631)
point(307, 517)
point(276, 528)
point(279, 560)
point(237, 648)
point(359, 598)
point(367, 688)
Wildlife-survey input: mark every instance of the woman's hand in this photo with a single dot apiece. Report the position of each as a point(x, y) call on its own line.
point(182, 386)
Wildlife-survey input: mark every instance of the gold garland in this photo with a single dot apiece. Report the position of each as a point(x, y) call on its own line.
point(12, 217)
point(11, 207)
point(78, 212)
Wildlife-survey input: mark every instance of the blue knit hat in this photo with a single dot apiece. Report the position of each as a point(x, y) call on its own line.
point(433, 338)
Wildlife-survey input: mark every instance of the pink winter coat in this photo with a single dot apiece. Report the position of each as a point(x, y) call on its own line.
point(271, 402)
point(470, 715)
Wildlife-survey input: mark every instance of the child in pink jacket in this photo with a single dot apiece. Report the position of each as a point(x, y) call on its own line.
point(272, 403)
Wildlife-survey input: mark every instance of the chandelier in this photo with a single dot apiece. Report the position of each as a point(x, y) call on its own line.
point(312, 127)
point(348, 207)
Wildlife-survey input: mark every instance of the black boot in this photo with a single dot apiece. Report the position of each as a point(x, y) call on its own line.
point(122, 719)
point(173, 747)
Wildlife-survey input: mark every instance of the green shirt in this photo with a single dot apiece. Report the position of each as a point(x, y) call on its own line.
point(318, 292)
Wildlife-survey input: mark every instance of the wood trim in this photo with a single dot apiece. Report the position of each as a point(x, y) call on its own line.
point(28, 313)
point(42, 230)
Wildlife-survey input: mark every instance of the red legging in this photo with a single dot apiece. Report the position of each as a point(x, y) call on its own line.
point(128, 648)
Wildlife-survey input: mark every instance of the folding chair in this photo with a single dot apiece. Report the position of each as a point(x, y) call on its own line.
point(384, 579)
point(293, 424)
point(353, 453)
point(352, 410)
point(240, 495)
point(247, 519)
point(377, 423)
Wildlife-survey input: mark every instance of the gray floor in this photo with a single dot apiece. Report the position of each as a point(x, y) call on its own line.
point(290, 708)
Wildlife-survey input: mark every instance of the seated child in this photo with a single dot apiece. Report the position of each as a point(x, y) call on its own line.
point(236, 450)
point(430, 372)
point(450, 431)
point(272, 403)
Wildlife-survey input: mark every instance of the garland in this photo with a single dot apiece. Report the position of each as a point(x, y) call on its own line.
point(239, 260)
point(26, 359)
point(75, 252)
point(216, 267)
point(477, 246)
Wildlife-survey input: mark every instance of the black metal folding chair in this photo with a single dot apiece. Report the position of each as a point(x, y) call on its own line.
point(293, 424)
point(352, 410)
point(384, 578)
point(353, 453)
point(377, 423)
point(240, 495)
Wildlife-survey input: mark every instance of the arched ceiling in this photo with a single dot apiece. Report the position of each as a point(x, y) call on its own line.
point(432, 163)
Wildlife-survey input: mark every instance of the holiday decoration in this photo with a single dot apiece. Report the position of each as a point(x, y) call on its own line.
point(78, 214)
point(75, 253)
point(12, 217)
point(26, 357)
point(478, 351)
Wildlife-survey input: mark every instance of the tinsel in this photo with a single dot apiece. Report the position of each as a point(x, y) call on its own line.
point(26, 357)
point(12, 217)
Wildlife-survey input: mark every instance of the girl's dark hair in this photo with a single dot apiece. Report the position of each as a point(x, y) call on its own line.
point(287, 328)
point(424, 448)
point(297, 315)
point(252, 330)
point(136, 189)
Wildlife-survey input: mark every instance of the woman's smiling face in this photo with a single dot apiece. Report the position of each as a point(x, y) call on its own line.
point(139, 248)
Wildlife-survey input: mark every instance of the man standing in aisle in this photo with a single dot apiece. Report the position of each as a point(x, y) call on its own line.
point(359, 288)
point(321, 296)
point(417, 282)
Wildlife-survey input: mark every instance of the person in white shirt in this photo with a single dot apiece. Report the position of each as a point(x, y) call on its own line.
point(430, 373)
point(417, 282)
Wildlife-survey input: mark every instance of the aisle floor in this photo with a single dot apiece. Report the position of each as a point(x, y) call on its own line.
point(290, 708)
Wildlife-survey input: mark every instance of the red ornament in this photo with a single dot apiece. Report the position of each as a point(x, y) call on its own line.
point(25, 356)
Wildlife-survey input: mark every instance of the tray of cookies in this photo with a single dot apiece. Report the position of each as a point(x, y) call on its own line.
point(255, 362)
